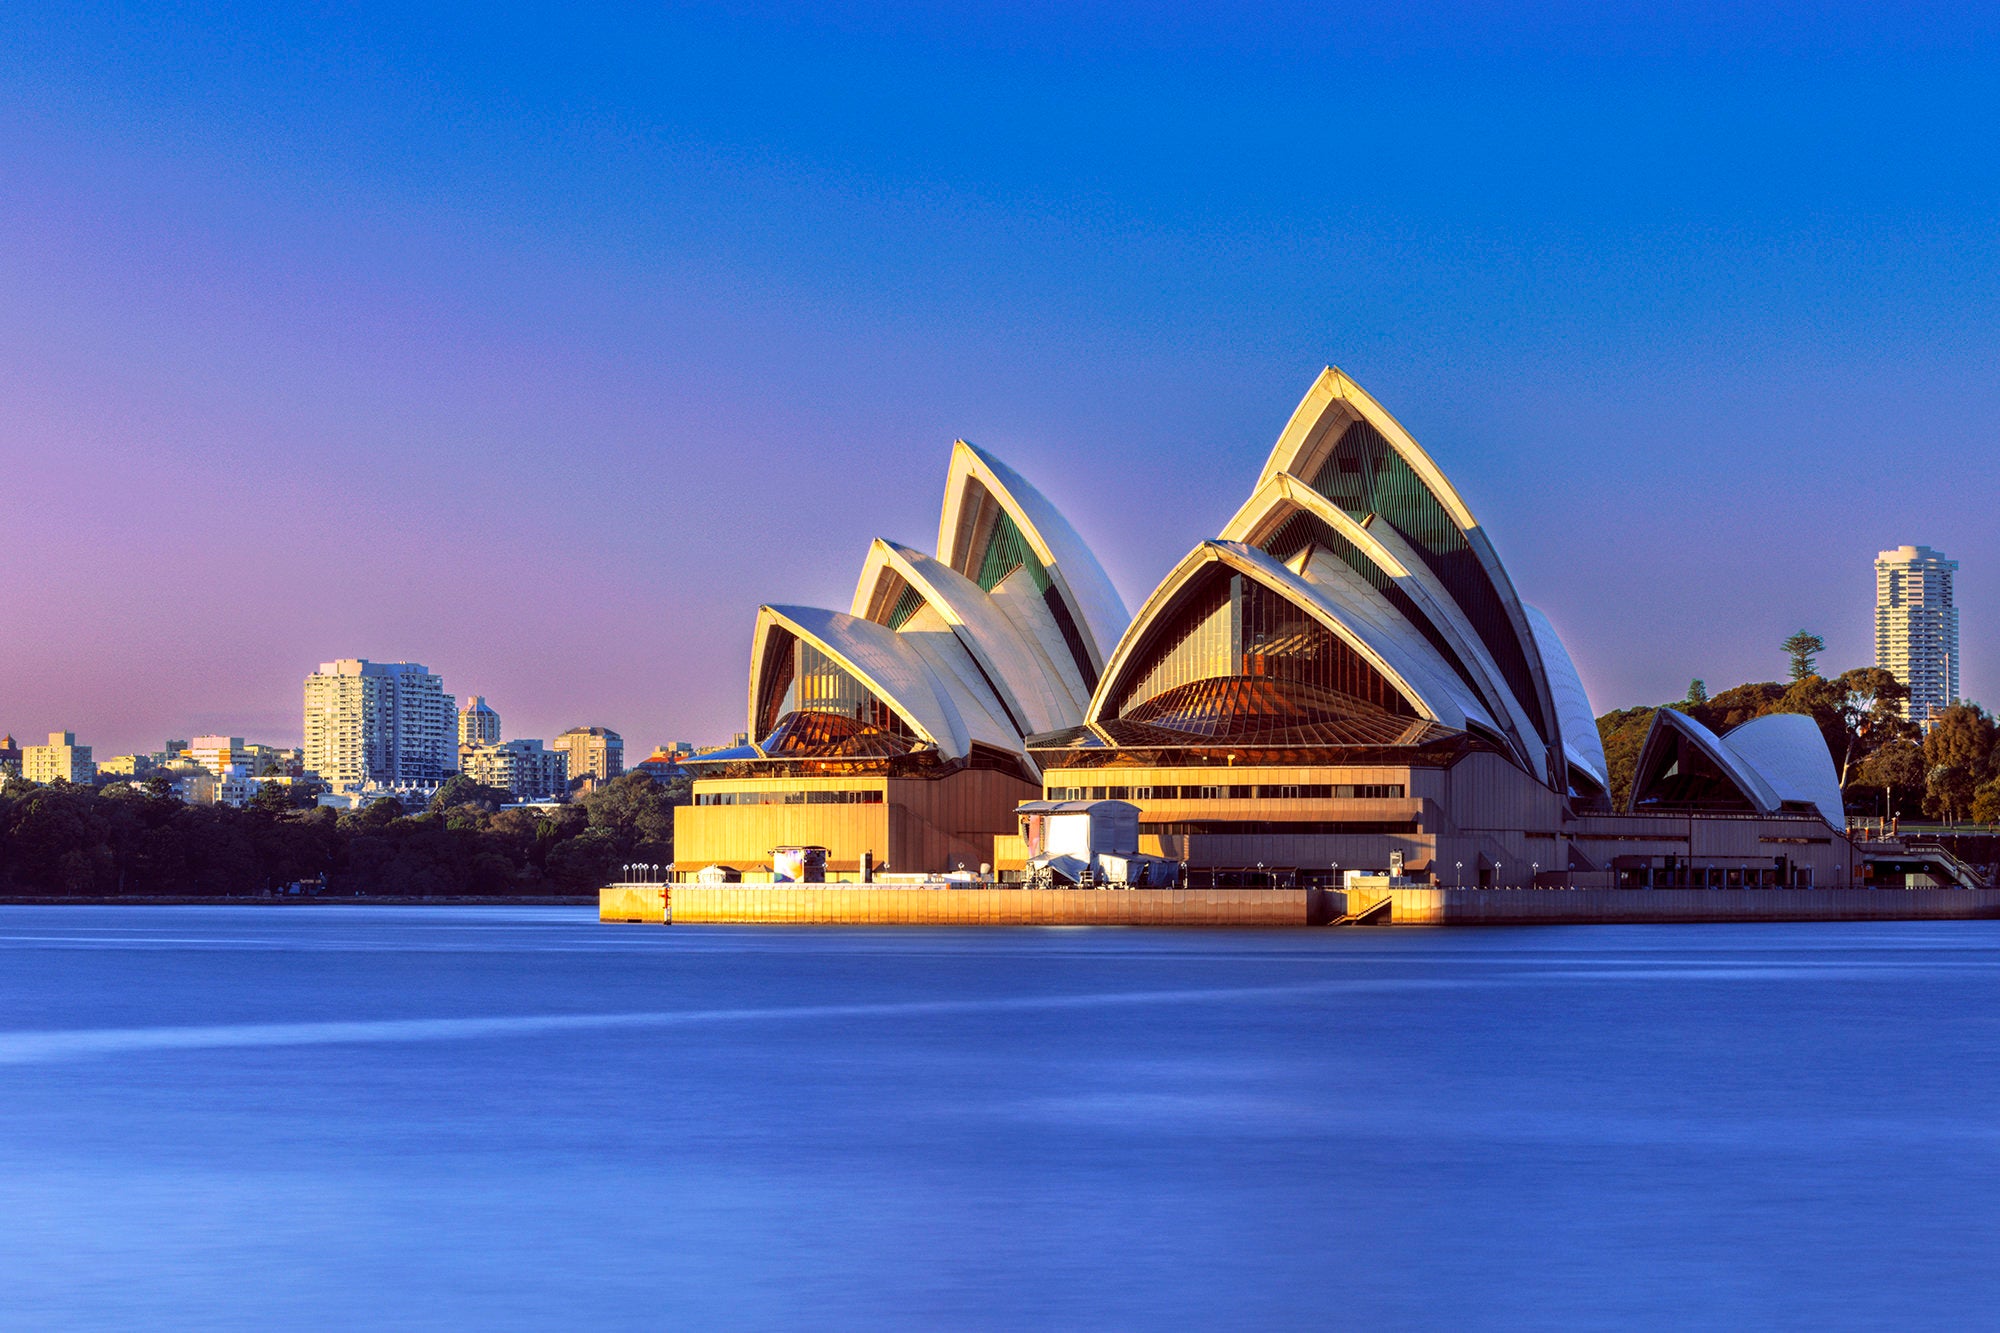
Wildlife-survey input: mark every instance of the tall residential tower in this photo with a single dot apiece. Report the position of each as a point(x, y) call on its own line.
point(386, 722)
point(1916, 626)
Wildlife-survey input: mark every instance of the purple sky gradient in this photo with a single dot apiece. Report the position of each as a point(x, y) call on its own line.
point(541, 350)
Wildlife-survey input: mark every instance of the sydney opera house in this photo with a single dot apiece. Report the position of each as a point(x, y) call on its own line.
point(1344, 673)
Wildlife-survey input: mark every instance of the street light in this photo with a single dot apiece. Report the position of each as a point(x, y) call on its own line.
point(1461, 873)
point(1537, 867)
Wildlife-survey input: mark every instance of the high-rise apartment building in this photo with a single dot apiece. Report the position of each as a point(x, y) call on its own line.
point(381, 722)
point(1916, 626)
point(62, 759)
point(596, 754)
point(478, 724)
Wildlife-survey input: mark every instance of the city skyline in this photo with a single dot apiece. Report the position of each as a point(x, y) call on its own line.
point(284, 386)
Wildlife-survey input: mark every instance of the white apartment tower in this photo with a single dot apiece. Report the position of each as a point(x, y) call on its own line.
point(1916, 626)
point(477, 723)
point(386, 722)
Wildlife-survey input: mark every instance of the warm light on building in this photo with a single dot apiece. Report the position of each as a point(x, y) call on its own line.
point(61, 760)
point(596, 754)
point(378, 722)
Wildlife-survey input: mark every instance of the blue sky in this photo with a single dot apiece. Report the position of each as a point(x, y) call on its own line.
point(541, 346)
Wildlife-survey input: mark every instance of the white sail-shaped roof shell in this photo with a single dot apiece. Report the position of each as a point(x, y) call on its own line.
point(1789, 752)
point(1333, 404)
point(1283, 494)
point(1385, 642)
point(928, 684)
point(1093, 603)
point(1034, 692)
point(1670, 721)
point(1582, 745)
point(1775, 759)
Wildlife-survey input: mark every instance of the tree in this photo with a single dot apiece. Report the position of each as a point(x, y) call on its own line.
point(1623, 731)
point(1961, 736)
point(1697, 692)
point(1959, 747)
point(1897, 765)
point(464, 789)
point(274, 798)
point(1738, 704)
point(1803, 647)
point(1986, 802)
point(1948, 794)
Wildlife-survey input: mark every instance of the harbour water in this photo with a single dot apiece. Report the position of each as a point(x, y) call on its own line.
point(424, 1117)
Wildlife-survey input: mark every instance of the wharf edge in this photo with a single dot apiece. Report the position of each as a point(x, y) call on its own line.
point(987, 905)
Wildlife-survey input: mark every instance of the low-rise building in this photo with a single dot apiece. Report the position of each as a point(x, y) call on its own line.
point(61, 760)
point(218, 754)
point(664, 763)
point(126, 766)
point(524, 767)
point(196, 788)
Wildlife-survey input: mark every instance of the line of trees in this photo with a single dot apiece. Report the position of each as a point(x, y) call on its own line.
point(80, 841)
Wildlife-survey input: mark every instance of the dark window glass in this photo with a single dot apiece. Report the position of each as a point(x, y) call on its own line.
point(1240, 663)
point(1363, 475)
point(1303, 530)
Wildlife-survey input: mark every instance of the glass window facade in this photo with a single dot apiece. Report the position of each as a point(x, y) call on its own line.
point(1679, 775)
point(809, 704)
point(788, 798)
point(894, 602)
point(1303, 533)
point(1240, 661)
point(1265, 791)
point(1364, 475)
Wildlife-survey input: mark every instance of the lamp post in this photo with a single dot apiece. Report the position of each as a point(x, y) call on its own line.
point(1536, 867)
point(1260, 874)
point(1498, 867)
point(1336, 874)
point(1461, 873)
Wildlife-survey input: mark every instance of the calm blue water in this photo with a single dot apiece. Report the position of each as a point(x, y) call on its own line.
point(494, 1117)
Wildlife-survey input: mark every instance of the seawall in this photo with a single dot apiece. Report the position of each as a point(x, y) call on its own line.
point(1477, 907)
point(896, 905)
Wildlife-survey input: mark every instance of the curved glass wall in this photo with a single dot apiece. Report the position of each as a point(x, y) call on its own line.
point(1679, 775)
point(1364, 475)
point(894, 602)
point(1304, 530)
point(807, 699)
point(1239, 661)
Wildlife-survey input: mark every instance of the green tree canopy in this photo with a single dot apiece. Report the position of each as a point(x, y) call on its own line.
point(1803, 648)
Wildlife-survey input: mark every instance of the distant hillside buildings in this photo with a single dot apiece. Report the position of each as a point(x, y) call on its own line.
point(372, 729)
point(524, 767)
point(596, 755)
point(387, 724)
point(61, 760)
point(478, 724)
point(1916, 626)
